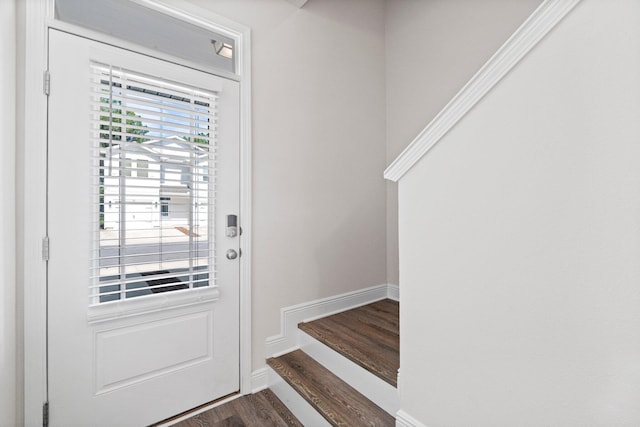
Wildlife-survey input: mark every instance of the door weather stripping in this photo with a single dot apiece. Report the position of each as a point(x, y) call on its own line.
point(46, 86)
point(45, 248)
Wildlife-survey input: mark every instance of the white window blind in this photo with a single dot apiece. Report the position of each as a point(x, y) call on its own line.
point(154, 185)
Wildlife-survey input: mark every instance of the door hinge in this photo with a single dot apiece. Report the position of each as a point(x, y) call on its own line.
point(46, 87)
point(45, 248)
point(45, 414)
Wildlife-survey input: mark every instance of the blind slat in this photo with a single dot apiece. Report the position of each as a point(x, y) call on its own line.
point(151, 106)
point(148, 278)
point(190, 123)
point(152, 83)
point(126, 145)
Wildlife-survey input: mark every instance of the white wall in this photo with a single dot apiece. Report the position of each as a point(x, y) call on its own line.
point(7, 214)
point(520, 241)
point(318, 151)
point(433, 48)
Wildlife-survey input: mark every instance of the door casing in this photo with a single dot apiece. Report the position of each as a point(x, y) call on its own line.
point(38, 18)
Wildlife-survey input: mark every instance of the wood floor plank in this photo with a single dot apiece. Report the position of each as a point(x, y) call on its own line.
point(387, 309)
point(232, 421)
point(272, 401)
point(374, 318)
point(255, 410)
point(386, 305)
point(362, 325)
point(336, 401)
point(368, 336)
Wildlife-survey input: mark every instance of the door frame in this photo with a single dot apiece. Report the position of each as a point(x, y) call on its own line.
point(38, 17)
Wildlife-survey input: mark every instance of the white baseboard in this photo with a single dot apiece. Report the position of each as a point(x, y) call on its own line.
point(393, 292)
point(287, 340)
point(259, 380)
point(405, 420)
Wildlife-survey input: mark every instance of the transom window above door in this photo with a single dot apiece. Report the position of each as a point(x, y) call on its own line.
point(140, 24)
point(154, 171)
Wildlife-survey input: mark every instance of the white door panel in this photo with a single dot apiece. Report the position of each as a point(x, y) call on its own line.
point(133, 358)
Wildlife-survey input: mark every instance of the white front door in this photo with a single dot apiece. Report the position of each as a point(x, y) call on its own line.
point(143, 288)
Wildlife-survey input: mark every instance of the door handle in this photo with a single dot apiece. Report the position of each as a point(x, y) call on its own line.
point(231, 254)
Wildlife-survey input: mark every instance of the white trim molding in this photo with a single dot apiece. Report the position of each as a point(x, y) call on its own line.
point(287, 340)
point(534, 29)
point(393, 292)
point(259, 380)
point(33, 140)
point(405, 420)
point(139, 306)
point(8, 289)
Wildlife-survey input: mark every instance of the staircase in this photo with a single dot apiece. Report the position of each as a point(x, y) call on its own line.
point(345, 372)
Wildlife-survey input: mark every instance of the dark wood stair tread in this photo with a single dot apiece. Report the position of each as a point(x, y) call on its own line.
point(368, 336)
point(335, 400)
point(232, 421)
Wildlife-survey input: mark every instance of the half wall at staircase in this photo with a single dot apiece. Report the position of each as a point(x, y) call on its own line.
point(520, 240)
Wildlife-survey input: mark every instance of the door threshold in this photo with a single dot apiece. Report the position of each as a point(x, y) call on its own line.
point(197, 410)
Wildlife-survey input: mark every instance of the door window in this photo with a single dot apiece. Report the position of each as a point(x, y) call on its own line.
point(154, 177)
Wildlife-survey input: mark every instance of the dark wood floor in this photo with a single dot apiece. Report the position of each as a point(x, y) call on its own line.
point(368, 336)
point(262, 409)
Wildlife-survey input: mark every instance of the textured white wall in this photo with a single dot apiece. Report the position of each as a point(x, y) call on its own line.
point(318, 151)
point(520, 241)
point(7, 214)
point(433, 48)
